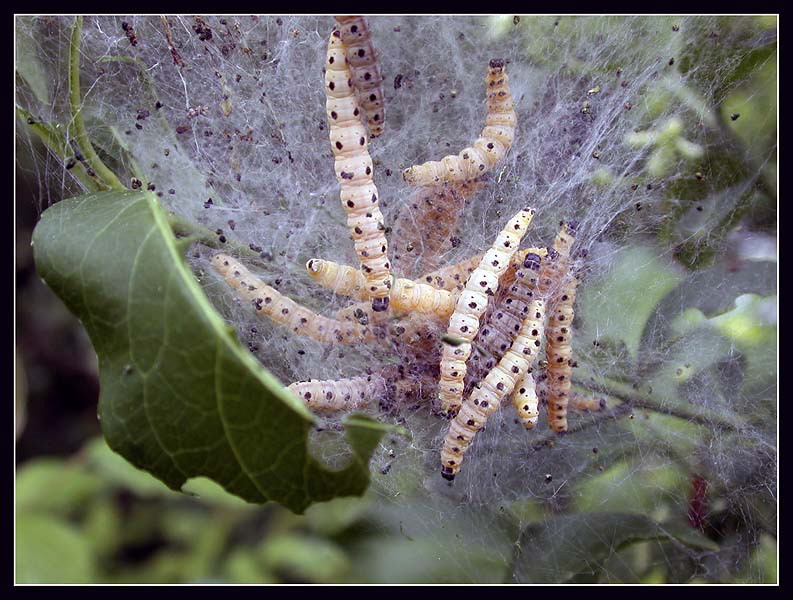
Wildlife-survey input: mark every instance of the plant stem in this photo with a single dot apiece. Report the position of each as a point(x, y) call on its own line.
point(184, 228)
point(107, 177)
point(638, 399)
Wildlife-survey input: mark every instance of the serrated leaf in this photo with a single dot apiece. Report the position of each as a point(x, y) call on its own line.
point(559, 548)
point(180, 397)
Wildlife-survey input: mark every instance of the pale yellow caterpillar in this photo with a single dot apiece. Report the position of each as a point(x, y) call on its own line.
point(353, 167)
point(454, 276)
point(406, 296)
point(487, 397)
point(366, 75)
point(559, 284)
point(283, 310)
point(340, 395)
point(487, 150)
point(472, 303)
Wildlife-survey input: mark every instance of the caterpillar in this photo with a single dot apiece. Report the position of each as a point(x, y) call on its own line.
point(558, 283)
point(586, 402)
point(486, 398)
point(504, 319)
point(283, 310)
point(419, 248)
point(472, 303)
point(366, 75)
point(406, 295)
point(340, 395)
point(454, 276)
point(353, 167)
point(487, 150)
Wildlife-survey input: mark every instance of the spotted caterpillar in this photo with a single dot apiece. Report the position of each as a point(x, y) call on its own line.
point(559, 285)
point(454, 276)
point(285, 311)
point(487, 150)
point(472, 303)
point(504, 319)
point(340, 395)
point(406, 295)
point(486, 398)
point(366, 75)
point(353, 167)
point(419, 247)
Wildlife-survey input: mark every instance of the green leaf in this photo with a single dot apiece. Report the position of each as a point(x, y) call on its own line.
point(180, 397)
point(304, 558)
point(557, 549)
point(50, 551)
point(54, 486)
point(636, 284)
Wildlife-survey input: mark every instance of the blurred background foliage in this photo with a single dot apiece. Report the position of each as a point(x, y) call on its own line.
point(83, 514)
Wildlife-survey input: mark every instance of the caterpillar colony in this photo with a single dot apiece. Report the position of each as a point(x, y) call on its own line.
point(507, 289)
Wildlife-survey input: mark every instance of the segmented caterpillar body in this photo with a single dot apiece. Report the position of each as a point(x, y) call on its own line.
point(340, 395)
point(472, 303)
point(488, 149)
point(559, 285)
point(454, 276)
point(504, 318)
point(406, 295)
point(366, 75)
point(353, 167)
point(487, 397)
point(283, 310)
point(417, 247)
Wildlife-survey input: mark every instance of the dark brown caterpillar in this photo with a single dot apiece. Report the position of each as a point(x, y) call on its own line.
point(558, 284)
point(417, 247)
point(354, 170)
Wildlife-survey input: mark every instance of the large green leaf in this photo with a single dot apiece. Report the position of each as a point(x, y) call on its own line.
point(180, 397)
point(557, 549)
